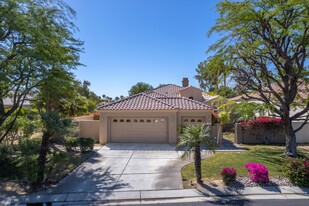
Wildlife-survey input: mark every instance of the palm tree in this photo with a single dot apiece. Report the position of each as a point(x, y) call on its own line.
point(191, 140)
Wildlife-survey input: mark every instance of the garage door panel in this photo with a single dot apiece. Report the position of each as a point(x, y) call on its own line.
point(148, 130)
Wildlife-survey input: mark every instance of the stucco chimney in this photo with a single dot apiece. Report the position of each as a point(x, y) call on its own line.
point(185, 82)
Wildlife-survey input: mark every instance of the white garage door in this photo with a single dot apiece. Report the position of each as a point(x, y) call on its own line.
point(144, 130)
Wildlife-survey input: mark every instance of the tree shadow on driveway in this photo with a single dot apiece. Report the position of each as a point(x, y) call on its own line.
point(93, 176)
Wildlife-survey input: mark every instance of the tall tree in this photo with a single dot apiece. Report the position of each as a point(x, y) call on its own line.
point(55, 88)
point(212, 73)
point(266, 44)
point(139, 87)
point(35, 36)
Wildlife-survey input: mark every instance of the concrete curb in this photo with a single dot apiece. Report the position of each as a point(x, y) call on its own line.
point(155, 195)
point(266, 190)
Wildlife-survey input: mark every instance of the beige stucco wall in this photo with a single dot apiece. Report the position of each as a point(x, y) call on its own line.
point(88, 117)
point(274, 136)
point(192, 92)
point(303, 135)
point(173, 118)
point(89, 128)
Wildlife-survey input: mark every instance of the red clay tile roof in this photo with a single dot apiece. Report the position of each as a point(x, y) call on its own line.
point(170, 90)
point(154, 94)
point(144, 101)
point(184, 103)
point(140, 101)
point(162, 98)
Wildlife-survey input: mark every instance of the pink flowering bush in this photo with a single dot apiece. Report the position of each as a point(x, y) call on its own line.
point(298, 172)
point(258, 172)
point(268, 122)
point(228, 175)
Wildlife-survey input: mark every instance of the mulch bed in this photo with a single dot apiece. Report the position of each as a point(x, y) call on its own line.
point(240, 182)
point(273, 181)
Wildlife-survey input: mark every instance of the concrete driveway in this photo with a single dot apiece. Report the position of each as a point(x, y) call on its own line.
point(126, 167)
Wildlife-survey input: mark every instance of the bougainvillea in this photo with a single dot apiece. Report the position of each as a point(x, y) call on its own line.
point(258, 172)
point(298, 172)
point(96, 115)
point(270, 122)
point(228, 175)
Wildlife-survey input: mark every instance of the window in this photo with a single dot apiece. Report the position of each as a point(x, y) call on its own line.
point(155, 120)
point(121, 120)
point(128, 120)
point(141, 120)
point(115, 120)
point(148, 120)
point(186, 120)
point(190, 97)
point(135, 120)
point(192, 120)
point(162, 120)
point(199, 120)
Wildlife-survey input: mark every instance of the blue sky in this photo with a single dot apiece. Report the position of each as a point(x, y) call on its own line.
point(153, 41)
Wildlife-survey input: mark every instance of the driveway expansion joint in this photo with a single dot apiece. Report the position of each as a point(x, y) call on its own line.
point(123, 171)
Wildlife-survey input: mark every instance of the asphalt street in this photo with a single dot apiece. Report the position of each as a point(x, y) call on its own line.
point(284, 202)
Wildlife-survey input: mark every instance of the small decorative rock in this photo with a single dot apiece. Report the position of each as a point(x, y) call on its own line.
point(273, 181)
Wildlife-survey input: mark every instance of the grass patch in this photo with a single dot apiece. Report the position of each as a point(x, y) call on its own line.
point(270, 156)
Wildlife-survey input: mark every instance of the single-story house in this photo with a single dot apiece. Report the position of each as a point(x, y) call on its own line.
point(154, 116)
point(9, 102)
point(302, 136)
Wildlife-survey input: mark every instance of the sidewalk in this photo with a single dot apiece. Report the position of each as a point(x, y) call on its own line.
point(139, 196)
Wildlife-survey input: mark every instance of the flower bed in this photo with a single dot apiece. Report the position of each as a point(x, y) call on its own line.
point(228, 175)
point(258, 172)
point(263, 130)
point(265, 122)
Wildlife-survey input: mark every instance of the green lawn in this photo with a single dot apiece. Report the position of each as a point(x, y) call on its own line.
point(270, 156)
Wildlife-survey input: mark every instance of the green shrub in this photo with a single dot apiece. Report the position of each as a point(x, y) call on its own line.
point(57, 161)
point(29, 147)
point(70, 143)
point(298, 172)
point(28, 165)
point(228, 175)
point(5, 154)
point(86, 144)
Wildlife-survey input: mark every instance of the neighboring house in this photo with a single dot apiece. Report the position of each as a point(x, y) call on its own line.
point(154, 116)
point(303, 93)
point(302, 136)
point(8, 102)
point(208, 99)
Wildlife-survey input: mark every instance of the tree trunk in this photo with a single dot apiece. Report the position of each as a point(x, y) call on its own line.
point(42, 159)
point(197, 163)
point(290, 138)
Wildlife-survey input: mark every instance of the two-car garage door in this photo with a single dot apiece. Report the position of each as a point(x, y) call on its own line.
point(146, 130)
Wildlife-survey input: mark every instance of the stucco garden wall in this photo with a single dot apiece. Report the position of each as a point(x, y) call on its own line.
point(89, 128)
point(303, 135)
point(268, 135)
